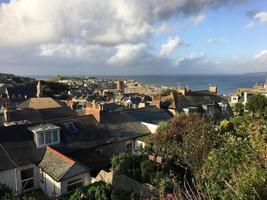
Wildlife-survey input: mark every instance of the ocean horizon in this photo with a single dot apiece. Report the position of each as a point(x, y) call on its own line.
point(226, 84)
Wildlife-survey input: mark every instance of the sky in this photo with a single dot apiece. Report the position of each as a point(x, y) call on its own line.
point(133, 37)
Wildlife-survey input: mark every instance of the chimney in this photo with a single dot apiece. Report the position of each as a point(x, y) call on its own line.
point(183, 90)
point(94, 104)
point(70, 103)
point(7, 114)
point(120, 86)
point(39, 90)
point(94, 109)
point(213, 89)
point(156, 101)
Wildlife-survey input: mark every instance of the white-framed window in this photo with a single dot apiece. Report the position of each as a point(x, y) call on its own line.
point(47, 137)
point(27, 179)
point(73, 184)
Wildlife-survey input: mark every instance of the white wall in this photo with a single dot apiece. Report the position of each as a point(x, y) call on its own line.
point(12, 178)
point(151, 127)
point(138, 144)
point(8, 177)
point(53, 188)
point(85, 177)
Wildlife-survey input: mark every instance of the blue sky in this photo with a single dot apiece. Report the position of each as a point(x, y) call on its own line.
point(133, 37)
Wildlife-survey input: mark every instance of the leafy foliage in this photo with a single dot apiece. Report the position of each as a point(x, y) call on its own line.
point(189, 138)
point(239, 108)
point(225, 162)
point(237, 169)
point(257, 104)
point(226, 126)
point(95, 191)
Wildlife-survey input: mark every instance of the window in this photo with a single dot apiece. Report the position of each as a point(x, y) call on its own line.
point(41, 138)
point(76, 183)
point(129, 146)
point(55, 136)
point(27, 178)
point(70, 126)
point(48, 137)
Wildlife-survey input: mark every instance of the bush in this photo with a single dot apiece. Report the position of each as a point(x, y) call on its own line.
point(4, 191)
point(147, 169)
point(162, 126)
point(237, 168)
point(189, 138)
point(226, 126)
point(257, 104)
point(239, 108)
point(96, 191)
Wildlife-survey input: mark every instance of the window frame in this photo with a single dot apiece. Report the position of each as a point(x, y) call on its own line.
point(45, 133)
point(74, 182)
point(27, 179)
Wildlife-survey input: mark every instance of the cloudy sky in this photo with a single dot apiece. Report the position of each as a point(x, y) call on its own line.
point(132, 37)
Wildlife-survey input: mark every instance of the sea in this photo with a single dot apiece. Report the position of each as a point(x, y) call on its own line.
point(226, 84)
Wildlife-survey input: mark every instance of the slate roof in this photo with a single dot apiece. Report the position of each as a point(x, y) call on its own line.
point(29, 91)
point(42, 115)
point(87, 130)
point(149, 114)
point(128, 123)
point(192, 99)
point(60, 167)
point(40, 103)
point(17, 147)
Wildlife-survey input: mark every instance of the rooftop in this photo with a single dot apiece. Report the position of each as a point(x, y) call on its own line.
point(40, 103)
point(60, 167)
point(43, 127)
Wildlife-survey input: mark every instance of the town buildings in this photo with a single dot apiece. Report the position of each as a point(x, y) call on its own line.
point(45, 144)
point(59, 145)
point(242, 94)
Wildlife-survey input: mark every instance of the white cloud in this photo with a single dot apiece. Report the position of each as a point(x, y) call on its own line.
point(126, 52)
point(198, 19)
point(261, 56)
point(170, 46)
point(213, 41)
point(192, 58)
point(102, 22)
point(255, 18)
point(261, 16)
point(93, 35)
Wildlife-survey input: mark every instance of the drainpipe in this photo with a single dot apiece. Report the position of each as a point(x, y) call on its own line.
point(16, 180)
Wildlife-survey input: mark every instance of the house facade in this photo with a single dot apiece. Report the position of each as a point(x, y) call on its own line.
point(242, 95)
point(56, 155)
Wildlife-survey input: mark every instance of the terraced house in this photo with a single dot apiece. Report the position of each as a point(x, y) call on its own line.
point(46, 145)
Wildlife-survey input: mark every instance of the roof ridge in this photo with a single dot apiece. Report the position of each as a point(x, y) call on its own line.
point(61, 155)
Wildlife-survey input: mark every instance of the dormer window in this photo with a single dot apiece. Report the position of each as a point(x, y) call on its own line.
point(45, 134)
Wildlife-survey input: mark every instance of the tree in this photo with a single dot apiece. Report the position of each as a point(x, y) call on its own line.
point(237, 168)
point(162, 125)
point(239, 108)
point(190, 138)
point(234, 172)
point(257, 104)
point(147, 168)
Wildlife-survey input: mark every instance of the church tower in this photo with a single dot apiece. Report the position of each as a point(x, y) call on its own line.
point(265, 84)
point(39, 90)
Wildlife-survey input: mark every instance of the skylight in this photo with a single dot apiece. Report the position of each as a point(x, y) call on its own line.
point(71, 127)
